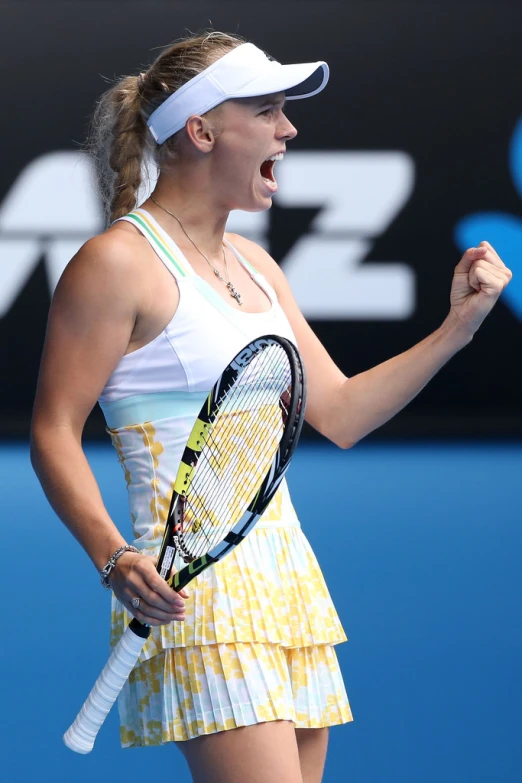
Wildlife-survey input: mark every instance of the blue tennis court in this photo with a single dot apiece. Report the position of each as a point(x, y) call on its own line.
point(421, 549)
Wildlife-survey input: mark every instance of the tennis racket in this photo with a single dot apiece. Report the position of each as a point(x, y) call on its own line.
point(235, 458)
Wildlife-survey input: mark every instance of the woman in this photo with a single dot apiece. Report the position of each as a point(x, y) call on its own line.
point(249, 683)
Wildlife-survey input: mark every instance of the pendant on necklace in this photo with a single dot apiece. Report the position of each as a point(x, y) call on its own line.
point(233, 293)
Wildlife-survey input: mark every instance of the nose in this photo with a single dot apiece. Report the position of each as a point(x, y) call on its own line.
point(286, 130)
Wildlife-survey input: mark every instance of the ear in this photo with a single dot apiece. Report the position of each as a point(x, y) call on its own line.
point(201, 133)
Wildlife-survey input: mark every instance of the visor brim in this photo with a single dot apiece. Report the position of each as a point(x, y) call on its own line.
point(301, 80)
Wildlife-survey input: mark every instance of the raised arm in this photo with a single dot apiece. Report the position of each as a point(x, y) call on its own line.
point(347, 409)
point(91, 322)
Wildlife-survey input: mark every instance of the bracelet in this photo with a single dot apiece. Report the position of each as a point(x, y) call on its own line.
point(106, 570)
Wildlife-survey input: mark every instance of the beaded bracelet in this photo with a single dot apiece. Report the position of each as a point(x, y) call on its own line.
point(106, 570)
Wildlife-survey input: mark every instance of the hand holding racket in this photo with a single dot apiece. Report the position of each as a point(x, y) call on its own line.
point(235, 458)
point(138, 586)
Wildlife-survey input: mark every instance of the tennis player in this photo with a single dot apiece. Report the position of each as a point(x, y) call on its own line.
point(240, 671)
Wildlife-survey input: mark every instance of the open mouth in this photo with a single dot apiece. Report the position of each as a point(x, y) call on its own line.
point(267, 169)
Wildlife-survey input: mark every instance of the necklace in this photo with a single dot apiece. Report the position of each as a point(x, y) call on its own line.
point(232, 290)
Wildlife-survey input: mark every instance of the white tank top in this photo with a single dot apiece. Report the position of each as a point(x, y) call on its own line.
point(154, 395)
point(186, 359)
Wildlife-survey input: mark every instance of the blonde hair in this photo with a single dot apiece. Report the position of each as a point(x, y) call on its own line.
point(119, 137)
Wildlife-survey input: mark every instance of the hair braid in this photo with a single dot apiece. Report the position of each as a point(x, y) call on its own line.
point(119, 136)
point(127, 146)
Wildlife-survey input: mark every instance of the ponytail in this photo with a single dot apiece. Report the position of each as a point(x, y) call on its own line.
point(119, 135)
point(127, 146)
point(116, 143)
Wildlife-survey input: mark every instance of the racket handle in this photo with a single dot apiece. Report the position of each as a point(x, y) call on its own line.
point(80, 736)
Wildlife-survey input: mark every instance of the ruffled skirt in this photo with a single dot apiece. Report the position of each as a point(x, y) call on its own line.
point(256, 645)
point(184, 692)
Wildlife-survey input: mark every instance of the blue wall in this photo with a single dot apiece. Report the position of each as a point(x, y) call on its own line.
point(421, 547)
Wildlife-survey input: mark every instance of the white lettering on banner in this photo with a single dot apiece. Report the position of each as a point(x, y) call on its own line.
point(329, 282)
point(53, 208)
point(360, 194)
point(50, 211)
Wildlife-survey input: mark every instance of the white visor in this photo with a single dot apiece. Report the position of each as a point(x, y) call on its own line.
point(244, 72)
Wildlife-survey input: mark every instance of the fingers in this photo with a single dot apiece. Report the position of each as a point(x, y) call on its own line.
point(148, 614)
point(493, 258)
point(137, 578)
point(485, 271)
point(470, 256)
point(488, 279)
point(484, 252)
point(157, 584)
point(152, 609)
point(492, 251)
point(154, 599)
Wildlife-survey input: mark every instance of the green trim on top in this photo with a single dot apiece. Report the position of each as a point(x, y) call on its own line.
point(138, 219)
point(247, 263)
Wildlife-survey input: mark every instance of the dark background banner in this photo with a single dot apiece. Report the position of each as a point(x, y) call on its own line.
point(411, 154)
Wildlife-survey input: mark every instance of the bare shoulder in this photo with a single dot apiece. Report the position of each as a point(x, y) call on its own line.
point(107, 265)
point(115, 251)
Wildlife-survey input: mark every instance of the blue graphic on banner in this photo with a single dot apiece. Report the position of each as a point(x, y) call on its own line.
point(502, 230)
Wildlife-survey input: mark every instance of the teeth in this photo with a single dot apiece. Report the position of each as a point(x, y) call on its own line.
point(279, 156)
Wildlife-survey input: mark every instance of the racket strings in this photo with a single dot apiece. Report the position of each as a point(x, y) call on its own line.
point(250, 392)
point(211, 521)
point(218, 506)
point(239, 448)
point(210, 525)
point(212, 515)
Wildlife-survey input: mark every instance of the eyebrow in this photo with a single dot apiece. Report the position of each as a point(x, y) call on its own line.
point(273, 102)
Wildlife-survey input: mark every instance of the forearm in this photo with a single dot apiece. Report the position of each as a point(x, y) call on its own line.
point(71, 488)
point(366, 401)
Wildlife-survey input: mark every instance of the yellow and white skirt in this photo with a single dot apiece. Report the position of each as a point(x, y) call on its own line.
point(257, 645)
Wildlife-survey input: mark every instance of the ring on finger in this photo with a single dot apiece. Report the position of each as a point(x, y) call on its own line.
point(136, 602)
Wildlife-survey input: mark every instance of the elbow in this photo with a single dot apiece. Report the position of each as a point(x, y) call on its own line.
point(342, 437)
point(40, 435)
point(339, 438)
point(34, 448)
point(333, 420)
point(335, 434)
point(344, 443)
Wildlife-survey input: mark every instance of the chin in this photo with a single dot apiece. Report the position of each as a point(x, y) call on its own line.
point(259, 204)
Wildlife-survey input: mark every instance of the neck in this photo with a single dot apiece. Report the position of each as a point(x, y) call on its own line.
point(194, 206)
